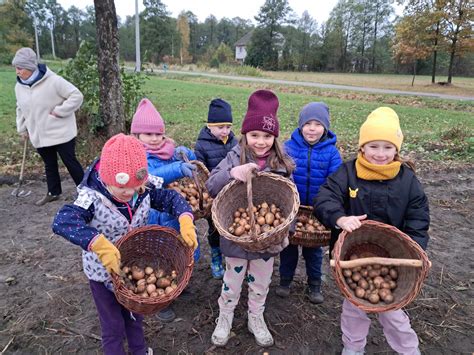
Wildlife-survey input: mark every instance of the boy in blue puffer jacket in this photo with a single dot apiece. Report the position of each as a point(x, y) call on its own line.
point(164, 160)
point(313, 148)
point(213, 143)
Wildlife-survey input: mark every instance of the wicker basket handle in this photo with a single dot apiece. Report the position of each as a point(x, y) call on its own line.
point(348, 264)
point(252, 232)
point(196, 181)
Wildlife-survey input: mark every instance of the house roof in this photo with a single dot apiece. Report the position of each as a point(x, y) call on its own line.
point(245, 39)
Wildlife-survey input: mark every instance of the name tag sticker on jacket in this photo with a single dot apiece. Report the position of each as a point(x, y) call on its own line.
point(353, 193)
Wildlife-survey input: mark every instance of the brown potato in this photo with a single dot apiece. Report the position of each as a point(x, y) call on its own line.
point(393, 274)
point(163, 282)
point(374, 298)
point(359, 292)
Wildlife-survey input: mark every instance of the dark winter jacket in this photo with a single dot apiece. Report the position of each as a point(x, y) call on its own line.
point(211, 150)
point(220, 177)
point(400, 202)
point(314, 163)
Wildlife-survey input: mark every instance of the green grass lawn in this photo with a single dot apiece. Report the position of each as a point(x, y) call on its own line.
point(433, 129)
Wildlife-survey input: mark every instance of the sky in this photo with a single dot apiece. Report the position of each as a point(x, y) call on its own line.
point(246, 9)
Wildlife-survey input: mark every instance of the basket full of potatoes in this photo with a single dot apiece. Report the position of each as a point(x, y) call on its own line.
point(309, 232)
point(256, 215)
point(156, 267)
point(378, 268)
point(194, 190)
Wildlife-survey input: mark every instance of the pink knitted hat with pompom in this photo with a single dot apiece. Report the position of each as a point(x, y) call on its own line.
point(147, 119)
point(123, 162)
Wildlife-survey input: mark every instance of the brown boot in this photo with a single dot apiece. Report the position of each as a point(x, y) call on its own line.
point(46, 199)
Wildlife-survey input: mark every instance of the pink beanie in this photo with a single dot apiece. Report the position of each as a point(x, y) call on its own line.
point(123, 162)
point(262, 113)
point(147, 119)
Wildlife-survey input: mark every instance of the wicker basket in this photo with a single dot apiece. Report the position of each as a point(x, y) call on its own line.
point(375, 239)
point(319, 238)
point(154, 246)
point(268, 187)
point(200, 176)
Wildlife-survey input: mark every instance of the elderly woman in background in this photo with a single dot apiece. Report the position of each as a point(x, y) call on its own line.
point(45, 110)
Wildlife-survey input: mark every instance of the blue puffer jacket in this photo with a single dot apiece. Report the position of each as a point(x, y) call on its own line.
point(314, 163)
point(169, 170)
point(211, 150)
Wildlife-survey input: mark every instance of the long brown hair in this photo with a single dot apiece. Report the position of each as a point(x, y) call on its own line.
point(276, 160)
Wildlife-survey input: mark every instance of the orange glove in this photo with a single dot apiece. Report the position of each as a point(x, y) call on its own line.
point(107, 253)
point(188, 231)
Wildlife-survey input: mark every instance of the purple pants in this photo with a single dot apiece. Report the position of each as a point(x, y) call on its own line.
point(116, 323)
point(396, 326)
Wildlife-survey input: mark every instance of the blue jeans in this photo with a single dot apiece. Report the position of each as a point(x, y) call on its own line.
point(289, 260)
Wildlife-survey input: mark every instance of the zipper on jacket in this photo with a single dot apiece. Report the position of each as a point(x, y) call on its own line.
point(308, 173)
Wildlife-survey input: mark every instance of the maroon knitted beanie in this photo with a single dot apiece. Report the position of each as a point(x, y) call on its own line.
point(262, 113)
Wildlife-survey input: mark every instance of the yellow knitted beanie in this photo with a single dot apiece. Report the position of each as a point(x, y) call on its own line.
point(381, 125)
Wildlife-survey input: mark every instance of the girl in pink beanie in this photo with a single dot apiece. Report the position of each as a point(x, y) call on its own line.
point(116, 196)
point(164, 160)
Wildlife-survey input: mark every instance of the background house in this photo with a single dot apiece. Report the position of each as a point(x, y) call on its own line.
point(241, 47)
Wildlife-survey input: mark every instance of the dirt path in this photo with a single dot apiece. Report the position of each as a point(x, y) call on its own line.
point(47, 308)
point(326, 86)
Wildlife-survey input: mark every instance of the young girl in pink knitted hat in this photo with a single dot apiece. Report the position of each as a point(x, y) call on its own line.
point(115, 196)
point(258, 149)
point(164, 160)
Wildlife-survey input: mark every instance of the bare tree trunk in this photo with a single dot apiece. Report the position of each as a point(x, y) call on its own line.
point(414, 73)
point(110, 85)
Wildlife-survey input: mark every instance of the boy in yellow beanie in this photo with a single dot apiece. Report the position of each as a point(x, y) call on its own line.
point(377, 185)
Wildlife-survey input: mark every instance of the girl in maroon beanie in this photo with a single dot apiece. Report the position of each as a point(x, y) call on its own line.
point(258, 149)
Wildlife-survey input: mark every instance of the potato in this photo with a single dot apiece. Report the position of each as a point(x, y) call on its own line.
point(393, 274)
point(148, 270)
point(363, 284)
point(356, 276)
point(269, 218)
point(347, 272)
point(150, 288)
point(261, 220)
point(137, 273)
point(239, 231)
point(359, 292)
point(168, 290)
point(374, 298)
point(378, 281)
point(163, 282)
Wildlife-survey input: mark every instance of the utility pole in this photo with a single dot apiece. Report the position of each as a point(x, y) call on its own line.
point(52, 42)
point(137, 39)
point(36, 39)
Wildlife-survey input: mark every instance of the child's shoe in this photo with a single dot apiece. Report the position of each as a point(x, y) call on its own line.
point(284, 289)
point(166, 315)
point(149, 351)
point(216, 263)
point(258, 328)
point(221, 334)
point(314, 292)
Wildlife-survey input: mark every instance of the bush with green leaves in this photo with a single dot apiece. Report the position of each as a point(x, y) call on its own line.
point(83, 73)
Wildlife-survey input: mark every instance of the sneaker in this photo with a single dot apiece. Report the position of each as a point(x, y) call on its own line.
point(221, 334)
point(258, 328)
point(166, 315)
point(216, 264)
point(347, 351)
point(149, 351)
point(283, 291)
point(314, 293)
point(46, 199)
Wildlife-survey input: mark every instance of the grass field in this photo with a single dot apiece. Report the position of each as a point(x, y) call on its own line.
point(434, 129)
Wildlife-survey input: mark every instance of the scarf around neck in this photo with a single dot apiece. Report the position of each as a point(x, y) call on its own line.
point(164, 151)
point(369, 171)
point(262, 161)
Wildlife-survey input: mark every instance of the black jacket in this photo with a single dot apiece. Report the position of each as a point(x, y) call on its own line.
point(210, 150)
point(400, 202)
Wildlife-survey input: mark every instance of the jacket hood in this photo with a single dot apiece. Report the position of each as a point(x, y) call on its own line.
point(43, 72)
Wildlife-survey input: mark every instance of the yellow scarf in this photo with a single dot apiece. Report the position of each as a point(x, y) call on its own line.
point(225, 139)
point(369, 171)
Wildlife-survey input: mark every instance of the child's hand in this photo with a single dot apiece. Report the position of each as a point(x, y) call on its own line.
point(180, 152)
point(107, 253)
point(242, 172)
point(187, 169)
point(188, 231)
point(350, 223)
